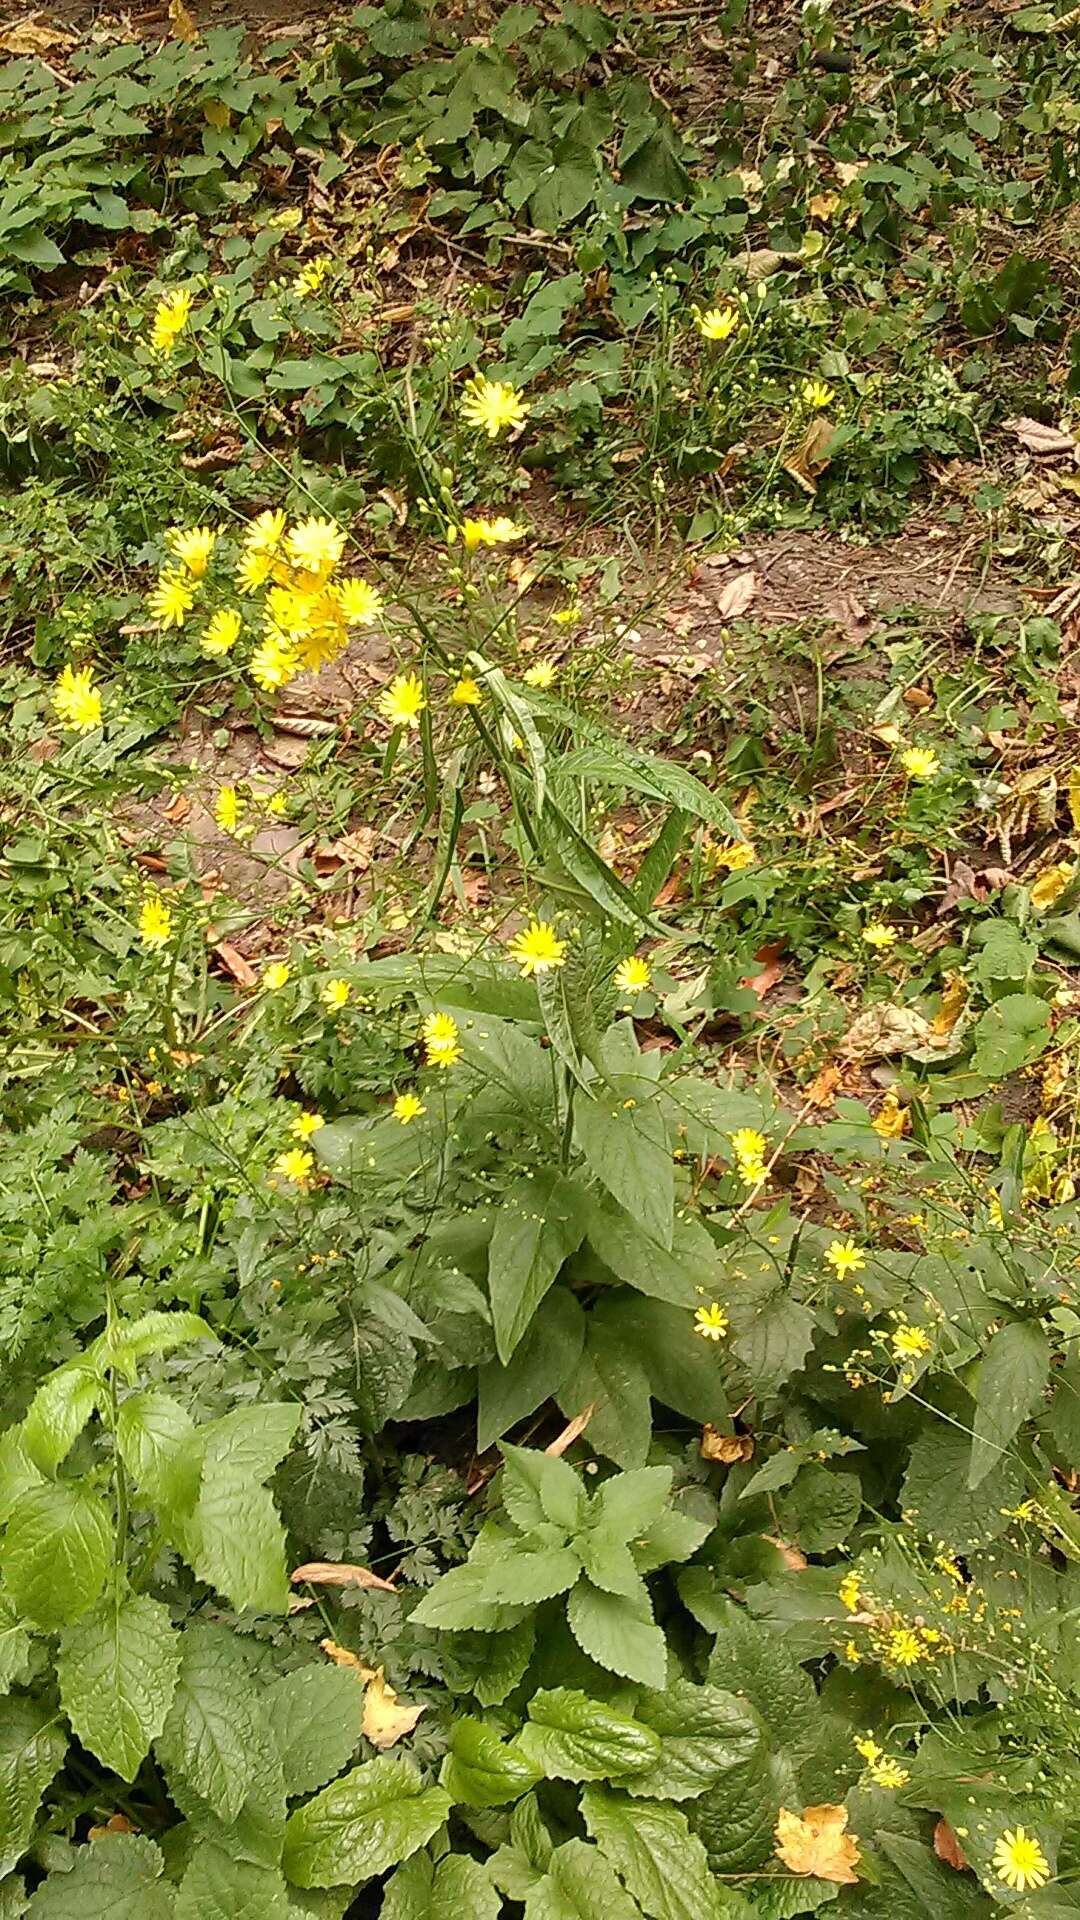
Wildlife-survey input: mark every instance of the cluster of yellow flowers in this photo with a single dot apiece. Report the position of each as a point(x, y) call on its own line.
point(750, 1147)
point(297, 1164)
point(883, 1771)
point(894, 1641)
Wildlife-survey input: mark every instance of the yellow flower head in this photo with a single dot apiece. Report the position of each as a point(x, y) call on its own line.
point(867, 1746)
point(466, 693)
point(904, 1648)
point(711, 1322)
point(155, 923)
point(885, 1772)
point(748, 1144)
point(227, 809)
point(877, 934)
point(569, 616)
point(253, 569)
point(491, 533)
point(1019, 1861)
point(920, 763)
point(439, 1033)
point(816, 394)
point(274, 662)
point(844, 1257)
point(76, 700)
point(275, 976)
point(716, 323)
point(633, 974)
point(492, 405)
point(537, 949)
point(171, 600)
point(407, 1107)
point(222, 631)
point(278, 804)
point(266, 532)
point(303, 1125)
point(909, 1342)
point(310, 278)
point(542, 675)
point(849, 1592)
point(358, 603)
point(171, 315)
point(315, 545)
point(335, 995)
point(403, 701)
point(192, 547)
point(296, 1165)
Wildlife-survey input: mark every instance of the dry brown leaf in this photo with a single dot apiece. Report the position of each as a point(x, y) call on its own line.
point(727, 1448)
point(794, 1559)
point(884, 1030)
point(344, 1657)
point(737, 595)
point(339, 1573)
point(948, 1848)
point(572, 1431)
point(32, 36)
point(178, 808)
point(809, 461)
point(1038, 438)
point(385, 1720)
point(769, 959)
point(953, 1001)
point(816, 1843)
point(235, 964)
point(822, 1089)
point(116, 1823)
point(183, 26)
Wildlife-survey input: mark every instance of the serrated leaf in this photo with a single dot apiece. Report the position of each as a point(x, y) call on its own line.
point(315, 1715)
point(17, 1471)
point(569, 1736)
point(579, 1885)
point(369, 1820)
point(540, 1223)
point(481, 1770)
point(32, 1749)
point(538, 1487)
point(216, 1887)
point(457, 1889)
point(620, 1242)
point(629, 1503)
point(1009, 1388)
point(517, 1579)
point(211, 1733)
point(705, 1733)
point(775, 1345)
point(626, 1148)
point(652, 1849)
point(58, 1413)
point(156, 1438)
point(544, 1359)
point(253, 1440)
point(235, 1540)
point(618, 1631)
point(750, 1659)
point(612, 763)
point(683, 1370)
point(117, 1672)
point(115, 1878)
point(935, 1495)
point(257, 1833)
point(614, 1383)
point(57, 1552)
point(126, 1343)
point(820, 1509)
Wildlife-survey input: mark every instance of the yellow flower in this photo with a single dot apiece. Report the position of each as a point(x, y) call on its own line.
point(844, 1257)
point(1027, 1510)
point(227, 809)
point(891, 1121)
point(274, 662)
point(537, 949)
point(633, 974)
point(335, 995)
point(155, 923)
point(749, 1147)
point(315, 545)
point(567, 616)
point(266, 532)
point(849, 1592)
point(492, 405)
point(171, 600)
point(816, 394)
point(491, 533)
point(295, 1165)
point(310, 278)
point(253, 569)
point(909, 1342)
point(359, 604)
point(542, 675)
point(171, 315)
point(76, 700)
point(920, 763)
point(403, 701)
point(275, 975)
point(904, 1648)
point(278, 804)
point(888, 1773)
point(303, 1125)
point(734, 856)
point(222, 632)
point(711, 1322)
point(877, 934)
point(467, 692)
point(868, 1747)
point(192, 547)
point(716, 323)
point(407, 1107)
point(439, 1034)
point(1019, 1861)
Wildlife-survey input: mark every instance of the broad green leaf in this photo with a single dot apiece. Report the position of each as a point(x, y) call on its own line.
point(156, 1438)
point(1011, 1381)
point(512, 1059)
point(15, 1646)
point(705, 1733)
point(618, 1631)
point(626, 1148)
point(546, 1356)
point(57, 1552)
point(579, 1885)
point(538, 1487)
point(820, 1509)
point(115, 1878)
point(369, 1820)
point(540, 1222)
point(481, 1770)
point(457, 1889)
point(18, 1473)
point(591, 872)
point(117, 1671)
point(517, 1579)
point(32, 1749)
point(937, 1500)
point(652, 1849)
point(125, 1344)
point(216, 1887)
point(750, 1659)
point(1010, 1033)
point(314, 1715)
point(235, 1540)
point(571, 1737)
point(58, 1413)
point(615, 1385)
point(212, 1731)
point(629, 1503)
point(257, 1833)
point(684, 1371)
point(662, 1272)
point(674, 1536)
point(253, 1440)
point(776, 1343)
point(14, 1898)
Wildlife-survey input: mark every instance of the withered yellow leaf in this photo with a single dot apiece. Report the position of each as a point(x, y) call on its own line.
point(339, 1573)
point(183, 25)
point(1051, 884)
point(953, 1001)
point(815, 1843)
point(386, 1719)
point(1072, 793)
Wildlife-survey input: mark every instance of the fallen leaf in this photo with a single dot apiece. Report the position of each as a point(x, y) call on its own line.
point(954, 999)
point(235, 964)
point(809, 461)
point(726, 1447)
point(1048, 888)
point(948, 1848)
point(883, 1030)
point(344, 1657)
point(673, 889)
point(794, 1560)
point(32, 36)
point(822, 206)
point(217, 114)
point(339, 1573)
point(816, 1843)
point(572, 1431)
point(918, 698)
point(116, 1823)
point(738, 594)
point(889, 735)
point(178, 808)
point(822, 1090)
point(1047, 442)
point(183, 25)
point(385, 1720)
point(963, 885)
point(771, 970)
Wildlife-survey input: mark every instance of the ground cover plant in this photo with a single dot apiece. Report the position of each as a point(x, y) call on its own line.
point(538, 1216)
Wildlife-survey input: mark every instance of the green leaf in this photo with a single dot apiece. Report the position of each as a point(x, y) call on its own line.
point(570, 1737)
point(1010, 1033)
point(517, 1579)
point(776, 1343)
point(216, 1887)
point(115, 1878)
point(124, 1345)
point(14, 1898)
point(705, 1733)
point(593, 875)
point(35, 248)
point(481, 1770)
point(32, 1749)
point(664, 1273)
point(540, 1223)
point(548, 1352)
point(820, 1510)
point(1012, 1378)
point(937, 1499)
point(613, 763)
point(253, 1440)
point(750, 1659)
point(156, 1438)
point(18, 1473)
point(212, 1731)
point(683, 1370)
point(457, 1889)
point(618, 1631)
point(314, 1715)
point(566, 186)
point(369, 1820)
point(652, 1849)
point(629, 1503)
point(615, 1385)
point(57, 1552)
point(538, 1487)
point(58, 1413)
point(117, 1672)
point(235, 1541)
point(626, 1148)
point(579, 1885)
